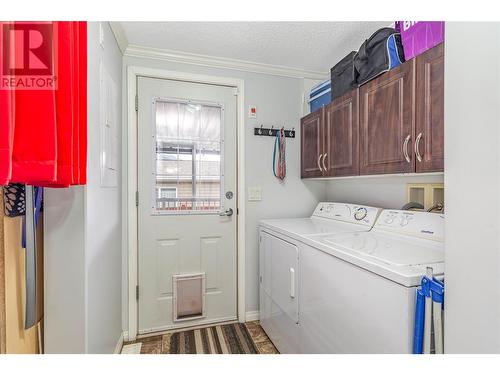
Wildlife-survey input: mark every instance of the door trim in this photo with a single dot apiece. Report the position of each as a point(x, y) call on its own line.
point(129, 182)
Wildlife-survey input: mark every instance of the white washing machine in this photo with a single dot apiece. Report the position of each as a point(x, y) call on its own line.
point(280, 245)
point(357, 290)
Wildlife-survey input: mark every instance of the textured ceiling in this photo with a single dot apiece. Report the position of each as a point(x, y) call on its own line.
point(313, 46)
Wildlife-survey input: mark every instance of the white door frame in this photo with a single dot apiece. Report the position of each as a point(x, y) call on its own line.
point(129, 181)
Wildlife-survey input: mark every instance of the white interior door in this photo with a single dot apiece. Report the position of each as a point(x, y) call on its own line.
point(187, 192)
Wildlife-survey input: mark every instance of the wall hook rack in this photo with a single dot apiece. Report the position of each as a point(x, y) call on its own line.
point(271, 132)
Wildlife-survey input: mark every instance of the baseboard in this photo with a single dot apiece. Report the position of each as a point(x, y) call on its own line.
point(252, 315)
point(119, 344)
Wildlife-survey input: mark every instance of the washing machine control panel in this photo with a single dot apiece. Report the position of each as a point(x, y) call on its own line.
point(351, 213)
point(414, 223)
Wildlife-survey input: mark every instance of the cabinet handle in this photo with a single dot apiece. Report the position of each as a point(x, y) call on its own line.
point(324, 157)
point(292, 283)
point(405, 148)
point(319, 163)
point(417, 144)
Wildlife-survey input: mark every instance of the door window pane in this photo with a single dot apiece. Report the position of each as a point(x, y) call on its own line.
point(167, 192)
point(188, 157)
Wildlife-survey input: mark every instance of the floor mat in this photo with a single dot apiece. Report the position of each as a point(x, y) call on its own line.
point(237, 338)
point(221, 339)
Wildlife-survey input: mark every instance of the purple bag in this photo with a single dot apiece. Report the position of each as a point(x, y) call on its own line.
point(419, 36)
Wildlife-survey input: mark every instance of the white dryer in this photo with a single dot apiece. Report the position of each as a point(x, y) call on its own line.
point(280, 243)
point(358, 290)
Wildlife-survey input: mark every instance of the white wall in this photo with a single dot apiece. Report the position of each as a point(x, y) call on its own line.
point(64, 273)
point(472, 187)
point(83, 236)
point(383, 191)
point(103, 255)
point(279, 102)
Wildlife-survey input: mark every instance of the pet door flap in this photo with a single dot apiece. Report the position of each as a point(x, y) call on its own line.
point(189, 296)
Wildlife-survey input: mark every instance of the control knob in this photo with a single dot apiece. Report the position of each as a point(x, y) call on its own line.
point(360, 213)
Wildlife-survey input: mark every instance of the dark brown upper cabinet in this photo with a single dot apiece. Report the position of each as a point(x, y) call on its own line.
point(429, 141)
point(311, 144)
point(341, 136)
point(392, 124)
point(387, 122)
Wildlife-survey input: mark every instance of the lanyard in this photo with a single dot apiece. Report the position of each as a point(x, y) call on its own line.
point(279, 161)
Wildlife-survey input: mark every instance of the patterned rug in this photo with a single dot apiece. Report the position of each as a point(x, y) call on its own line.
point(221, 339)
point(162, 343)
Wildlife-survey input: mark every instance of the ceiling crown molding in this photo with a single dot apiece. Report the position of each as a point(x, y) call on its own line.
point(221, 62)
point(121, 38)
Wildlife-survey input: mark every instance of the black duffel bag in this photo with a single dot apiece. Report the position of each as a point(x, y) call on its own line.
point(380, 53)
point(343, 76)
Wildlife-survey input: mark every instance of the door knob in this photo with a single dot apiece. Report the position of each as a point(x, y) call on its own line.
point(228, 212)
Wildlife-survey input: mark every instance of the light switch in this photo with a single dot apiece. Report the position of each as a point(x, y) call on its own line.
point(254, 194)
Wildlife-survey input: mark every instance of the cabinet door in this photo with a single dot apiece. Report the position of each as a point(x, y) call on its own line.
point(311, 144)
point(341, 136)
point(387, 122)
point(429, 144)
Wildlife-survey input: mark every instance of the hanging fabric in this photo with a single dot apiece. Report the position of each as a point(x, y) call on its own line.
point(279, 161)
point(6, 135)
point(65, 102)
point(14, 200)
point(44, 132)
point(34, 154)
point(76, 113)
point(82, 102)
point(71, 105)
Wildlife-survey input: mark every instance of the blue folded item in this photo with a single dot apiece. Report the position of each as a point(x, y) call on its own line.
point(320, 95)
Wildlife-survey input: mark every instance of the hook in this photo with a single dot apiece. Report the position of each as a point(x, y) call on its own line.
point(271, 130)
point(260, 130)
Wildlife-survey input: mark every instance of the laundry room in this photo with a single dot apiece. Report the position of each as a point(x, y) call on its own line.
point(245, 184)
